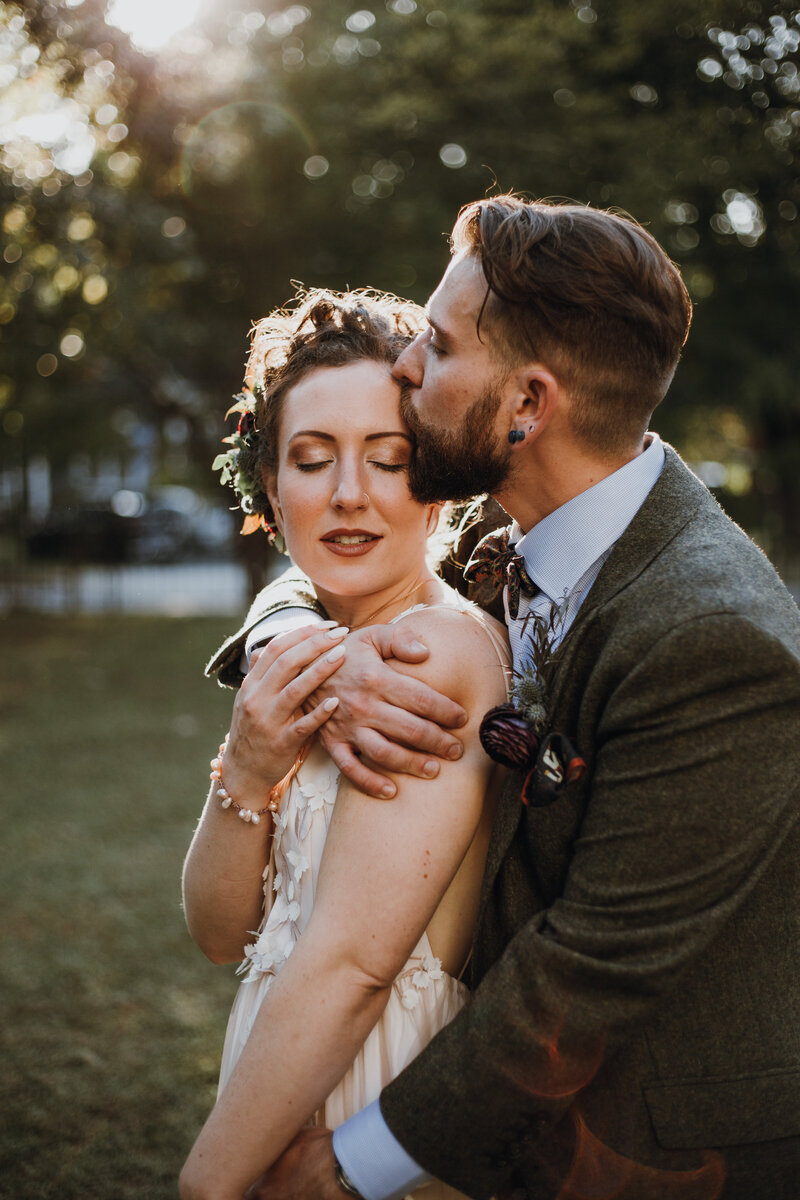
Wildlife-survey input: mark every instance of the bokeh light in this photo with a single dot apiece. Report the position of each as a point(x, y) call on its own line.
point(223, 149)
point(453, 156)
point(151, 23)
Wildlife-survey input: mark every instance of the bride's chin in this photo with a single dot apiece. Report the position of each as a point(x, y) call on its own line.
point(348, 578)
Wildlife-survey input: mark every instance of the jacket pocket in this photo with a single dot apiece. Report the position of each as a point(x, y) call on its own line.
point(725, 1110)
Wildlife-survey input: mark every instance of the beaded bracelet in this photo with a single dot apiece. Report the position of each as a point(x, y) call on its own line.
point(227, 801)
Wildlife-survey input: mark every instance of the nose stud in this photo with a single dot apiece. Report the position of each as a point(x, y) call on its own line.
point(365, 499)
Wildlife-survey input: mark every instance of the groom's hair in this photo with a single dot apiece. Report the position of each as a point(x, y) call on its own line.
point(588, 293)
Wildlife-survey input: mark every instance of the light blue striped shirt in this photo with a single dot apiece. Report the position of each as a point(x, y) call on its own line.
point(565, 551)
point(563, 554)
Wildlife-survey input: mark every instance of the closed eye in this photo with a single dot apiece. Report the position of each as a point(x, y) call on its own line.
point(382, 466)
point(313, 466)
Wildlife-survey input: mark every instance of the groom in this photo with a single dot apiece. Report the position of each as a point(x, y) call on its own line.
point(633, 1027)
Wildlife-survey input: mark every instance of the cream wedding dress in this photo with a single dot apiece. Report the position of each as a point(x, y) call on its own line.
point(424, 998)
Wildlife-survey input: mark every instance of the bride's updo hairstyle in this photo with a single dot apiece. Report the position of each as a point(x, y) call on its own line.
point(316, 329)
point(321, 329)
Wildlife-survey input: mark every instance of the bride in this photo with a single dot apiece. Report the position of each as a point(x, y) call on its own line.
point(357, 953)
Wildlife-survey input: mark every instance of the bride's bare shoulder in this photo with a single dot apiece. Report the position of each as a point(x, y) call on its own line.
point(467, 652)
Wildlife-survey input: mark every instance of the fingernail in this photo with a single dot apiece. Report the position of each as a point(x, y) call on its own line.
point(327, 624)
point(455, 751)
point(331, 704)
point(430, 770)
point(417, 647)
point(336, 653)
point(337, 632)
point(388, 791)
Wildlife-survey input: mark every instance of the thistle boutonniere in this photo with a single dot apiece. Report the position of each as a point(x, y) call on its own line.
point(518, 733)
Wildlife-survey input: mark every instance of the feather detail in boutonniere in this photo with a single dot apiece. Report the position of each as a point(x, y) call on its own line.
point(517, 734)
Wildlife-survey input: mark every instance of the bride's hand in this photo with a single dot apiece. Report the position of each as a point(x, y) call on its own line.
point(268, 726)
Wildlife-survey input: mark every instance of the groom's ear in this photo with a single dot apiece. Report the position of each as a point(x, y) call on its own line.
point(537, 394)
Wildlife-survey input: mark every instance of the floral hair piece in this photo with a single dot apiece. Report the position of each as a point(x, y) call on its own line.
point(239, 469)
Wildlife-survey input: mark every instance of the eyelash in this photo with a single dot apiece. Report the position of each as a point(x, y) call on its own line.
point(316, 466)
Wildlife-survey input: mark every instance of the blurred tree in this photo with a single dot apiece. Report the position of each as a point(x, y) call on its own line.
point(168, 197)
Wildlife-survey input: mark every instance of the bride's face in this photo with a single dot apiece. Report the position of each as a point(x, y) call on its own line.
point(340, 493)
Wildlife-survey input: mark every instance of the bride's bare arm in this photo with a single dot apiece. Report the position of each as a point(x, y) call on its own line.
point(222, 875)
point(385, 869)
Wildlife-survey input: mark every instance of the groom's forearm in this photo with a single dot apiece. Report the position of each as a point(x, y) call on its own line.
point(291, 592)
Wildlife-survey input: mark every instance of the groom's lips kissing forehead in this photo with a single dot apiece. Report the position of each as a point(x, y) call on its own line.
point(350, 543)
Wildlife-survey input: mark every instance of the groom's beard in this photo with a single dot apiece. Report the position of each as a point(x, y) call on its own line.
point(459, 463)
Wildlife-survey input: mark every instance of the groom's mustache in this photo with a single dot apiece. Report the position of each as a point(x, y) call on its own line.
point(408, 412)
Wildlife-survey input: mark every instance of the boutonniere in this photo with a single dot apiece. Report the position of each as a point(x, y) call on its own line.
point(518, 734)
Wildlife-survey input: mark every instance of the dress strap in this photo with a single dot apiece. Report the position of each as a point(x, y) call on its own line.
point(467, 961)
point(500, 644)
point(468, 608)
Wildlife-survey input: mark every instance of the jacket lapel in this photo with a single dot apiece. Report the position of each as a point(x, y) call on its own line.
point(673, 501)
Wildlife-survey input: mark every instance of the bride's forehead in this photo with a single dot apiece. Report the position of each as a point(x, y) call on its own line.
point(359, 394)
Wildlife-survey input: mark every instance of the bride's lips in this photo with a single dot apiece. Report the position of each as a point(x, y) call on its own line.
point(350, 543)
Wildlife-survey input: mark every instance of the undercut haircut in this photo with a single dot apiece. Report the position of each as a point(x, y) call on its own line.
point(590, 295)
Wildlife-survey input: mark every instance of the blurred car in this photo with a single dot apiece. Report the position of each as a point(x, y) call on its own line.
point(171, 524)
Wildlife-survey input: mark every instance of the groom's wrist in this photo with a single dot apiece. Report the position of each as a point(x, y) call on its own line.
point(375, 1162)
point(344, 1181)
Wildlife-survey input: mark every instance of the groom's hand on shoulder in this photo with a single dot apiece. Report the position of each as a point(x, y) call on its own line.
point(305, 1171)
point(386, 719)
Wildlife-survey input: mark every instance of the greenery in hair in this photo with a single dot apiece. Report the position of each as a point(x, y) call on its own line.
point(239, 468)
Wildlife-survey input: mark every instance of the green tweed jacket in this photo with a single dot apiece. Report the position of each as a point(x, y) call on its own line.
point(291, 590)
point(633, 1030)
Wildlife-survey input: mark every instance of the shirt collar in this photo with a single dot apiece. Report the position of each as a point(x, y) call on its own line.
point(563, 545)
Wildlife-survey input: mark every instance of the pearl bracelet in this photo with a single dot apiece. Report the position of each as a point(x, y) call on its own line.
point(227, 801)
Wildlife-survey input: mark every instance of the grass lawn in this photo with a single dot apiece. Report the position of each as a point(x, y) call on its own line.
point(112, 1019)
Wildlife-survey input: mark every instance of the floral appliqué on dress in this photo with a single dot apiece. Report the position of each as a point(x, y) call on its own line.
point(280, 931)
point(418, 975)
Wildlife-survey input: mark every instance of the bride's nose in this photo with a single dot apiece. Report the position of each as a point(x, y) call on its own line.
point(349, 494)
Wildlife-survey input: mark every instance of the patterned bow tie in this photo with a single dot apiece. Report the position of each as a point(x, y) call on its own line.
point(493, 559)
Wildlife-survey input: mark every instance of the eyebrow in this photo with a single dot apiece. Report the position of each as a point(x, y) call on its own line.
point(371, 437)
point(439, 330)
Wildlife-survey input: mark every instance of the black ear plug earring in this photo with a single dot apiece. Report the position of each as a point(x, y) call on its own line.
point(516, 435)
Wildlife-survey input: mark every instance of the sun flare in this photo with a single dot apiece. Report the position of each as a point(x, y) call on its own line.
point(151, 23)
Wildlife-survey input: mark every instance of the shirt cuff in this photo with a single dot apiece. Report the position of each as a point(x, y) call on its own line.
point(373, 1159)
point(283, 620)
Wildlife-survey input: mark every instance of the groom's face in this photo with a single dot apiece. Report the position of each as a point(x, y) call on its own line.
point(454, 394)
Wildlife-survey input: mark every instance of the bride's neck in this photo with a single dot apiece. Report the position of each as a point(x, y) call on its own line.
point(381, 607)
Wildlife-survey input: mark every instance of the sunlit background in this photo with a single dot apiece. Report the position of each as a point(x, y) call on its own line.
point(168, 168)
point(151, 23)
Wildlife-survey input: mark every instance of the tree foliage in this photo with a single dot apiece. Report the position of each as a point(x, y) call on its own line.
point(165, 200)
